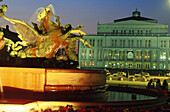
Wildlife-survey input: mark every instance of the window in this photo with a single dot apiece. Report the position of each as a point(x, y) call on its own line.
point(129, 43)
point(114, 43)
point(146, 31)
point(146, 43)
point(106, 54)
point(147, 66)
point(163, 56)
point(116, 31)
point(140, 43)
point(101, 41)
point(137, 43)
point(113, 31)
point(132, 43)
point(113, 54)
point(98, 41)
point(121, 55)
point(121, 31)
point(138, 66)
point(92, 42)
point(161, 43)
point(138, 55)
point(99, 52)
point(123, 43)
point(164, 43)
point(141, 32)
point(138, 31)
point(91, 63)
point(149, 43)
point(147, 55)
point(91, 53)
point(83, 63)
point(124, 31)
point(132, 31)
point(130, 65)
point(120, 43)
point(83, 53)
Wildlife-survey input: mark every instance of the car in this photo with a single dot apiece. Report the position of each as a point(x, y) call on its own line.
point(108, 73)
point(121, 74)
point(168, 74)
point(143, 74)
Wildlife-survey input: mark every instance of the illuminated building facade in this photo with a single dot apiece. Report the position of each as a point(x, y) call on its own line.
point(129, 43)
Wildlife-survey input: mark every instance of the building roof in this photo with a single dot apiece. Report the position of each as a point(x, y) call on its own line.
point(135, 16)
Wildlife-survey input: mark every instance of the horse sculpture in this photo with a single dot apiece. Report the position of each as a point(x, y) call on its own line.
point(45, 39)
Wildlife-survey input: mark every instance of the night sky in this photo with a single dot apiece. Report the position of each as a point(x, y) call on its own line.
point(88, 12)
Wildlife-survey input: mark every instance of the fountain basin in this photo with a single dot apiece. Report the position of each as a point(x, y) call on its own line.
point(43, 79)
point(152, 98)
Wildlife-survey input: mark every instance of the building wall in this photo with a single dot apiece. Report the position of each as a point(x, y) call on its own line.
point(132, 27)
point(130, 43)
point(114, 51)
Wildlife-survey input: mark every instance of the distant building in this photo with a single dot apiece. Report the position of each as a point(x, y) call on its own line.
point(128, 43)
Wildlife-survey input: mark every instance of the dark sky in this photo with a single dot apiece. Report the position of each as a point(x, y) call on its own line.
point(88, 12)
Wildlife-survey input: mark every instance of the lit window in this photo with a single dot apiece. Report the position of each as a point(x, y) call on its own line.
point(147, 55)
point(90, 63)
point(138, 55)
point(163, 56)
point(90, 54)
point(85, 63)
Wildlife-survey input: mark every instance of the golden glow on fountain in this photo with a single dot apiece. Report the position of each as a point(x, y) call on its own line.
point(41, 79)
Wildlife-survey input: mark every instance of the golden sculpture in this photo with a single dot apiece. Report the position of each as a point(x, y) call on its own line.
point(45, 39)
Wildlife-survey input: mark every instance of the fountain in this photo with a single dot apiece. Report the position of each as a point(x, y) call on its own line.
point(32, 86)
